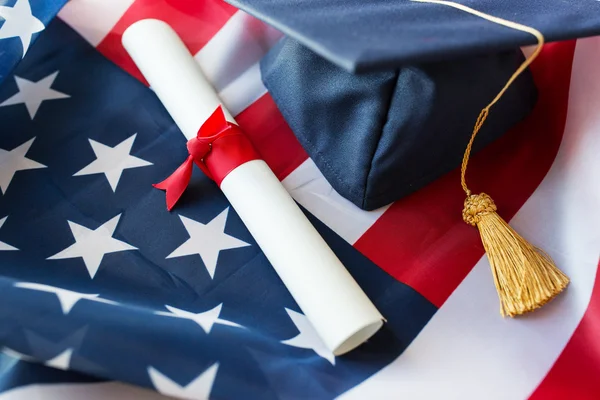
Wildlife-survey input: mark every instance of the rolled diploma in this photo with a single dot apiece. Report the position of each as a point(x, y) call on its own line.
point(340, 312)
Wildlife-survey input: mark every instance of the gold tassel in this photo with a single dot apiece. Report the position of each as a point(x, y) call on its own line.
point(526, 278)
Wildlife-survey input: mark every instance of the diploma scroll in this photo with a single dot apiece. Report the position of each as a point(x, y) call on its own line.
point(338, 309)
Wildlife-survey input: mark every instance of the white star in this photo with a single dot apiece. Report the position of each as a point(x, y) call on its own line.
point(20, 22)
point(205, 319)
point(207, 241)
point(307, 338)
point(92, 245)
point(16, 355)
point(67, 298)
point(111, 161)
point(61, 361)
point(32, 94)
point(13, 161)
point(4, 246)
point(199, 388)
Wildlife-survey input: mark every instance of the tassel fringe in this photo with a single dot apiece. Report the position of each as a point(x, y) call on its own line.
point(526, 278)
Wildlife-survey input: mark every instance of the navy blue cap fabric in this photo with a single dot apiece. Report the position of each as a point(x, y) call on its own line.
point(361, 35)
point(379, 136)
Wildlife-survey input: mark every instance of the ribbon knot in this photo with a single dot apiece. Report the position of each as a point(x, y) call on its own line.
point(199, 148)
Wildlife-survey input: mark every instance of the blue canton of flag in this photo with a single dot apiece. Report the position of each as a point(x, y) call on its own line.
point(96, 276)
point(21, 21)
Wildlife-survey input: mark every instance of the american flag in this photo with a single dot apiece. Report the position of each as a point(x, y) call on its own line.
point(105, 294)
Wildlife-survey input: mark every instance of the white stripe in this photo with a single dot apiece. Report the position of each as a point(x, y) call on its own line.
point(230, 60)
point(467, 351)
point(94, 19)
point(308, 186)
point(78, 391)
point(243, 91)
point(238, 45)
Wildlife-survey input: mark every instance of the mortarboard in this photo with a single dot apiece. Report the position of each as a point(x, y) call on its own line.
point(447, 58)
point(384, 34)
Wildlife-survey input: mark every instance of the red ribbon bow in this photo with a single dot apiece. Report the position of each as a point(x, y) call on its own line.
point(218, 148)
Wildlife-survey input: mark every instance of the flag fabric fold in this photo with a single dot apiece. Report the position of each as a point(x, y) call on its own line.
point(110, 284)
point(106, 294)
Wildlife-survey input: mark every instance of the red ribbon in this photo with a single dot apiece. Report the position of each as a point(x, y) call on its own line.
point(218, 148)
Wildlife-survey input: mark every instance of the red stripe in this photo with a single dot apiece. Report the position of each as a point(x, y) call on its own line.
point(196, 22)
point(576, 373)
point(272, 136)
point(422, 241)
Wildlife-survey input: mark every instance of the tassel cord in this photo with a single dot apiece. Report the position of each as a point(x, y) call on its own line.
point(484, 113)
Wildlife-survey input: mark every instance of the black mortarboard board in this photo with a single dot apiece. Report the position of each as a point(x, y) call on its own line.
point(361, 35)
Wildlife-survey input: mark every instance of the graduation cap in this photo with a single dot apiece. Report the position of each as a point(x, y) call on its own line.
point(386, 96)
